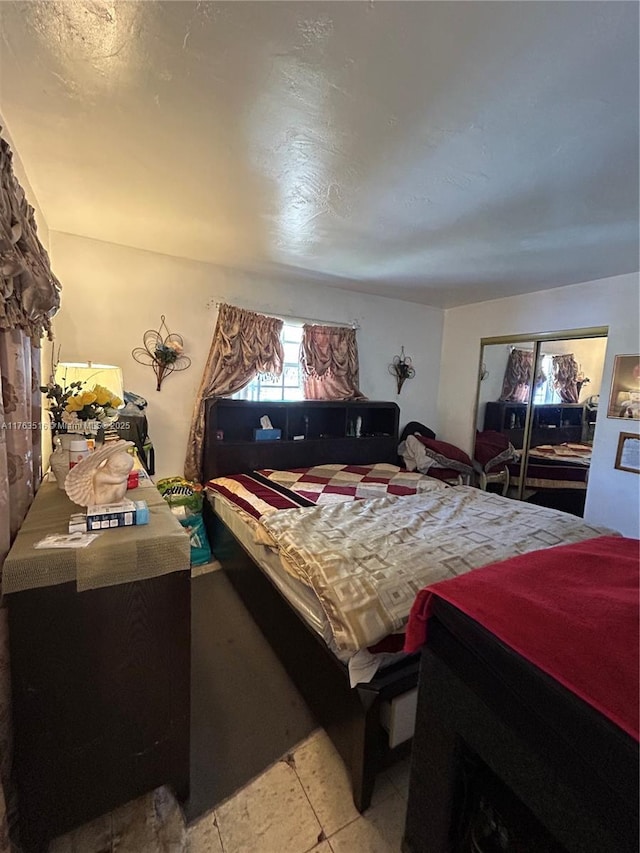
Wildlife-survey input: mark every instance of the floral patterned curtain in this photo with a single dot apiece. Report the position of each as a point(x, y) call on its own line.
point(329, 360)
point(517, 376)
point(244, 344)
point(29, 297)
point(565, 377)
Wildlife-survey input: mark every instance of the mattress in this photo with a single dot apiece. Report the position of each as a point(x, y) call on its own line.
point(563, 466)
point(362, 665)
point(355, 565)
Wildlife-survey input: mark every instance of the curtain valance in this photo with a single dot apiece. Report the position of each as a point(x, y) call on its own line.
point(329, 361)
point(29, 292)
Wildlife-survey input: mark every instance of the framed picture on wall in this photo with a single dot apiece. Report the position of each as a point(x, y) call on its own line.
point(624, 400)
point(628, 455)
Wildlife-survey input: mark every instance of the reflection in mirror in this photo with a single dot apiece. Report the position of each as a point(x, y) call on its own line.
point(543, 427)
point(501, 415)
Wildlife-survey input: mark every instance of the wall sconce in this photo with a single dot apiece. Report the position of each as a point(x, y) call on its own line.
point(402, 368)
point(161, 350)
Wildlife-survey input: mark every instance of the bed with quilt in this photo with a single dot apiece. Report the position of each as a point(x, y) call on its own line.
point(329, 559)
point(526, 735)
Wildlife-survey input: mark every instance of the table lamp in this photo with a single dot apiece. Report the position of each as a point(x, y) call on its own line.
point(90, 374)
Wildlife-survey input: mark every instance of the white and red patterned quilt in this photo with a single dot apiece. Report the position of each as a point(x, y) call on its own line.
point(329, 484)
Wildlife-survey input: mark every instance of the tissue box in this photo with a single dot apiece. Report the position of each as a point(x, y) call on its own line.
point(125, 514)
point(267, 434)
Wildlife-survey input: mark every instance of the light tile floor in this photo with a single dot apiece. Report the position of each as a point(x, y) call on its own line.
point(302, 804)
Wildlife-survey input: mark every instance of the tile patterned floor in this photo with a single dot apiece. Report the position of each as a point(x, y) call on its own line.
point(302, 804)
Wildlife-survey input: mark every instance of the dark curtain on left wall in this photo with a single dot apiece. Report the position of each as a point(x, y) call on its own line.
point(29, 297)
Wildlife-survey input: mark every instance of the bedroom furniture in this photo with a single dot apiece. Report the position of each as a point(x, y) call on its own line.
point(352, 717)
point(328, 429)
point(552, 473)
point(499, 741)
point(552, 424)
point(575, 783)
point(100, 677)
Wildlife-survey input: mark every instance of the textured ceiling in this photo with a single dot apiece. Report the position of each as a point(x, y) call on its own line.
point(441, 152)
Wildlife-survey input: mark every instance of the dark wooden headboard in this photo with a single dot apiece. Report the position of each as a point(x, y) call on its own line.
point(328, 428)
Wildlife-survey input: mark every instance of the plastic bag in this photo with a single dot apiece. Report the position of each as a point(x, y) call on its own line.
point(200, 550)
point(185, 499)
point(180, 492)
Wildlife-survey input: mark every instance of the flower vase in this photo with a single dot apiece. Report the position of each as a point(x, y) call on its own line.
point(59, 459)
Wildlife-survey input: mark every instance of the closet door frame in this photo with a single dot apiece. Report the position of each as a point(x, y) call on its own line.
point(536, 338)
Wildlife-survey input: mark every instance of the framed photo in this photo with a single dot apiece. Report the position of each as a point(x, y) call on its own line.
point(628, 455)
point(624, 400)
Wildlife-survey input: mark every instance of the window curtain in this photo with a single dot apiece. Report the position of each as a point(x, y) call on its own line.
point(244, 344)
point(329, 361)
point(517, 376)
point(29, 297)
point(29, 292)
point(565, 377)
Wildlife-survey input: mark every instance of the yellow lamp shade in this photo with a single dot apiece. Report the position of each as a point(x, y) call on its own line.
point(90, 374)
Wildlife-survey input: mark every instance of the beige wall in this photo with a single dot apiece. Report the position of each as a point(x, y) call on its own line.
point(112, 294)
point(613, 497)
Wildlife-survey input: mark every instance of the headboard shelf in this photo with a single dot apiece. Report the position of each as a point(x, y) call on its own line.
point(329, 429)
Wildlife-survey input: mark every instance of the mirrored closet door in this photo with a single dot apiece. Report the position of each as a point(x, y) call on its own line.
point(536, 415)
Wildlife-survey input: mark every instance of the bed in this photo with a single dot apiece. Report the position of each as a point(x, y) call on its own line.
point(527, 728)
point(560, 466)
point(368, 717)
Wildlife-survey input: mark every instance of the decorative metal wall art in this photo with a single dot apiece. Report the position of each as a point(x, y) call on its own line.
point(162, 350)
point(402, 368)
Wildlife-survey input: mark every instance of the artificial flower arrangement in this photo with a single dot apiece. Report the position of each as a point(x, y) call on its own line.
point(167, 352)
point(163, 351)
point(73, 408)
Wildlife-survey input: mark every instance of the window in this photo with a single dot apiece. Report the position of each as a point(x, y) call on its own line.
point(546, 391)
point(287, 386)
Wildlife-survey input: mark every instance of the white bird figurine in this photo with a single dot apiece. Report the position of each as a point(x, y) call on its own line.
point(101, 478)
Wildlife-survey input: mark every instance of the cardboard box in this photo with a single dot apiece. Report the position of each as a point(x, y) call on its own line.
point(125, 514)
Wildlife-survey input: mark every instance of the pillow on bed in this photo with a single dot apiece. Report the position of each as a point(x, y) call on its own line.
point(418, 456)
point(493, 449)
point(445, 455)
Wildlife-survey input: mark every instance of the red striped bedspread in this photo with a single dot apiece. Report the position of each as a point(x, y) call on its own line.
point(571, 610)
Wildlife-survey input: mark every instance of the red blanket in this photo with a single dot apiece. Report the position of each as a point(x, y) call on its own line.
point(570, 610)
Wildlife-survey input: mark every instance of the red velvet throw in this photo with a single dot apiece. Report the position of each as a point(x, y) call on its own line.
point(571, 610)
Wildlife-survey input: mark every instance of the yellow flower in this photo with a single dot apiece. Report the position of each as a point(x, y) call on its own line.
point(74, 404)
point(103, 395)
point(88, 397)
point(115, 402)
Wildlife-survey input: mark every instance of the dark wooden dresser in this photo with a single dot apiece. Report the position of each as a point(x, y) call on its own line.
point(100, 677)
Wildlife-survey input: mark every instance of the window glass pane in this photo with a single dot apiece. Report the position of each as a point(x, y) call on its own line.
point(291, 374)
point(269, 381)
point(293, 394)
point(292, 333)
point(250, 392)
point(292, 352)
point(270, 393)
